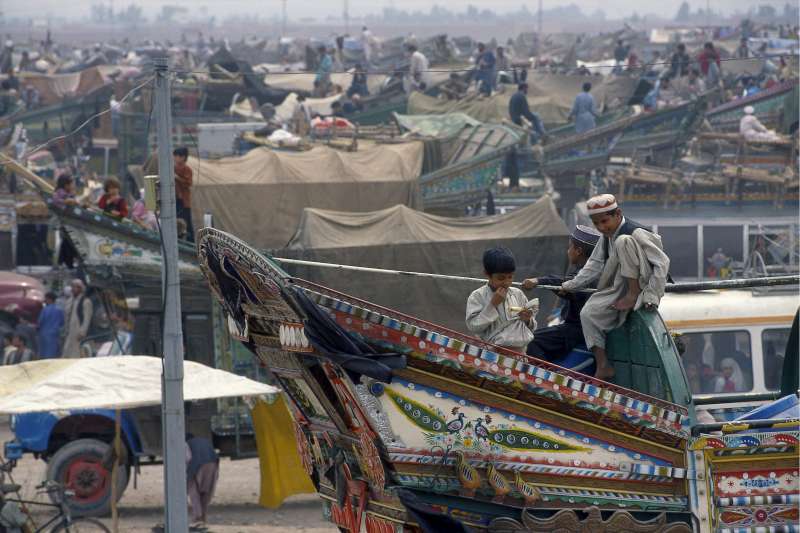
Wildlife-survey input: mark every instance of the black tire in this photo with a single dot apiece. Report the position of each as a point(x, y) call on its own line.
point(77, 466)
point(82, 525)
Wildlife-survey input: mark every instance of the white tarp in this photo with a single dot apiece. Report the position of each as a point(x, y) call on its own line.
point(284, 111)
point(120, 382)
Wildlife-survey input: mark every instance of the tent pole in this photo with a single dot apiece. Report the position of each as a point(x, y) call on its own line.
point(115, 470)
point(745, 283)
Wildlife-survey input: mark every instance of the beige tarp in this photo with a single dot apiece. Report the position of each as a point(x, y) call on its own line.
point(56, 87)
point(120, 382)
point(284, 111)
point(305, 82)
point(260, 196)
point(403, 239)
point(549, 95)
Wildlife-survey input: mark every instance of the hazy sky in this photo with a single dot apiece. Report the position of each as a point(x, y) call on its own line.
point(322, 8)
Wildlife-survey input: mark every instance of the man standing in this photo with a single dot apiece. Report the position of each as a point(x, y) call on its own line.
point(417, 70)
point(631, 270)
point(322, 81)
point(51, 320)
point(620, 55)
point(183, 189)
point(679, 65)
point(202, 473)
point(366, 44)
point(583, 110)
point(485, 73)
point(706, 57)
point(79, 311)
point(503, 65)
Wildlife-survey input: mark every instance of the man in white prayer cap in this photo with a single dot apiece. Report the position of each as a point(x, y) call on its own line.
point(753, 130)
point(631, 271)
point(79, 310)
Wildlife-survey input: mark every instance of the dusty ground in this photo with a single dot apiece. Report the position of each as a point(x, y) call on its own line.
point(235, 507)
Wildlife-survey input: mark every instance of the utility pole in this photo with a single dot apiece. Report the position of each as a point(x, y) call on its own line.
point(283, 18)
point(540, 39)
point(540, 19)
point(172, 422)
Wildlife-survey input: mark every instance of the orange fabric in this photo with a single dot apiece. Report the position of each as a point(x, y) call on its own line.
point(183, 185)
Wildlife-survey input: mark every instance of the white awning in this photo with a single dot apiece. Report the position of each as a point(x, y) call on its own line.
point(120, 382)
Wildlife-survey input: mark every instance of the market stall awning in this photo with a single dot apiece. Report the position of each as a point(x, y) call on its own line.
point(112, 383)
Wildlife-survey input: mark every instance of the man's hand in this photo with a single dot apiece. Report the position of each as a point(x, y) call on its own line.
point(499, 296)
point(530, 283)
point(526, 315)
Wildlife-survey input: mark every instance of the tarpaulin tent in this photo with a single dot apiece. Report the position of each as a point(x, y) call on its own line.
point(447, 125)
point(549, 95)
point(119, 382)
point(405, 239)
point(284, 111)
point(129, 381)
point(54, 88)
point(260, 196)
point(305, 82)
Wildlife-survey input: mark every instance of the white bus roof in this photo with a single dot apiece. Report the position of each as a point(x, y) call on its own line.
point(728, 308)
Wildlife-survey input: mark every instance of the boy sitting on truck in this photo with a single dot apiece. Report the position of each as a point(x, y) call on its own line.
point(631, 271)
point(497, 312)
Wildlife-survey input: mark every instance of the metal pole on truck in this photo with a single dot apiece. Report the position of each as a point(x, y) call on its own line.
point(172, 421)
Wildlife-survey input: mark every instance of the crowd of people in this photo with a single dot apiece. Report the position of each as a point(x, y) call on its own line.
point(114, 205)
point(58, 331)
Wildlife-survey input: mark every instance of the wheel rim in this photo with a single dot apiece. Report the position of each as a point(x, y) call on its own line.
point(88, 479)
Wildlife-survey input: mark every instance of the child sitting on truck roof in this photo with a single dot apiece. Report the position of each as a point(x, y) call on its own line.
point(490, 309)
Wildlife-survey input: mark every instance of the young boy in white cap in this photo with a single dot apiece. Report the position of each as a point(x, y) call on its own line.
point(556, 342)
point(631, 270)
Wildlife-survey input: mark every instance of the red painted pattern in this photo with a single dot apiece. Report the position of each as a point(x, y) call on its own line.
point(379, 525)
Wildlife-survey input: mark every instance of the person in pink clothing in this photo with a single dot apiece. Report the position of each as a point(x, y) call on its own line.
point(143, 216)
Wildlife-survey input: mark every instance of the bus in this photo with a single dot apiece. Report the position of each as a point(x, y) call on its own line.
point(734, 343)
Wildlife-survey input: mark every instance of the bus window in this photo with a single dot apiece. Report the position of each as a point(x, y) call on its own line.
point(773, 344)
point(718, 361)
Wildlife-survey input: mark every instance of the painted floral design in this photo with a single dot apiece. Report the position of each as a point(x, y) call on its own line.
point(458, 431)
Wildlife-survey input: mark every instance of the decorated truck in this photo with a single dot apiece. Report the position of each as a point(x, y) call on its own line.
point(404, 425)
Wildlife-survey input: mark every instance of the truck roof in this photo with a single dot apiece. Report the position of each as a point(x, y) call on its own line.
point(719, 308)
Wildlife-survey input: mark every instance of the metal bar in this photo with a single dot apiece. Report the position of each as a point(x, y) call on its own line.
point(671, 287)
point(714, 399)
point(743, 425)
point(172, 416)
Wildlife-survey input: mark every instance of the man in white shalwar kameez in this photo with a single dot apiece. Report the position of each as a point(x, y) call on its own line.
point(753, 130)
point(631, 270)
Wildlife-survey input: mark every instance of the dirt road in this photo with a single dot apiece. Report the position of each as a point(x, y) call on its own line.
point(235, 507)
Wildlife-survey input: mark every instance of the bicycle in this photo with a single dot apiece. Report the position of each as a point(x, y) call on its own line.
point(62, 521)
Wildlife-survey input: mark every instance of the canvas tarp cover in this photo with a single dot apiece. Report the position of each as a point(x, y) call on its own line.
point(549, 95)
point(402, 239)
point(285, 110)
point(447, 125)
point(305, 82)
point(260, 196)
point(54, 88)
point(119, 382)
